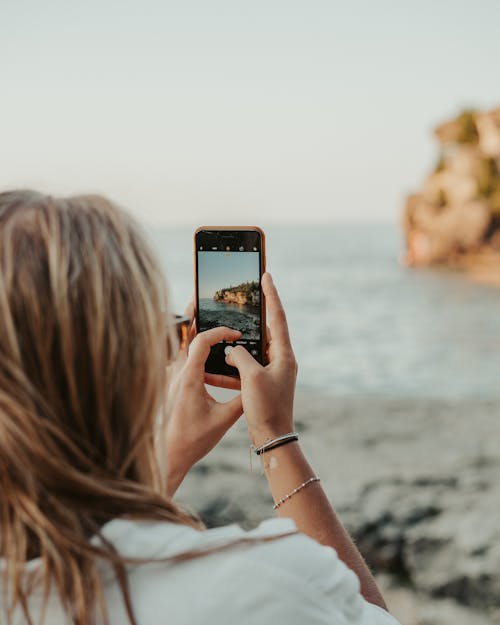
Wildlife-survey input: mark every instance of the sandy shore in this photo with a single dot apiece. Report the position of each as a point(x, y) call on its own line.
point(416, 481)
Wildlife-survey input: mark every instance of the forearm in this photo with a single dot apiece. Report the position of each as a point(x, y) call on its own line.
point(286, 468)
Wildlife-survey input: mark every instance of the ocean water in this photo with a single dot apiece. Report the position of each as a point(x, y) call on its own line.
point(242, 317)
point(362, 324)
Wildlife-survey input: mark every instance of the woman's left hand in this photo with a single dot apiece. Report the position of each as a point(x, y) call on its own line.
point(196, 420)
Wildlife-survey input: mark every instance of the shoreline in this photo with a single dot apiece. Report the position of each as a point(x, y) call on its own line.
point(413, 479)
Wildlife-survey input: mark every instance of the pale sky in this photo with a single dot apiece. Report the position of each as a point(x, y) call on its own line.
point(219, 270)
point(213, 112)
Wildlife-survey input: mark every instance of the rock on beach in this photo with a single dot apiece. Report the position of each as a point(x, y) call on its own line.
point(454, 219)
point(416, 481)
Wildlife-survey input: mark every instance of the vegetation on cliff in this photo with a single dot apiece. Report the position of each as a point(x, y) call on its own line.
point(244, 293)
point(454, 220)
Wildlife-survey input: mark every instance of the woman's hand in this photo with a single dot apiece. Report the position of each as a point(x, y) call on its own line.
point(267, 392)
point(197, 421)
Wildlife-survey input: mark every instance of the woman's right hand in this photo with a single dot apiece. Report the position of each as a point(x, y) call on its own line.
point(267, 392)
point(267, 395)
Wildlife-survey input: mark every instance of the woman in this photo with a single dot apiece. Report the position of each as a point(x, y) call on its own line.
point(88, 529)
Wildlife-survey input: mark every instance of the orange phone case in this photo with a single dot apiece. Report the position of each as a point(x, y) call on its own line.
point(262, 268)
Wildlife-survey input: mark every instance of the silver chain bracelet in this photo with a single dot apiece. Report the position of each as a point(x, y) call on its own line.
point(274, 442)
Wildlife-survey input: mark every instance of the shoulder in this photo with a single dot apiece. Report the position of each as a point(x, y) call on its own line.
point(307, 579)
point(291, 579)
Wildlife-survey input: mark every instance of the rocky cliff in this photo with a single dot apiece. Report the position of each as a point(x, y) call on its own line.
point(245, 293)
point(454, 220)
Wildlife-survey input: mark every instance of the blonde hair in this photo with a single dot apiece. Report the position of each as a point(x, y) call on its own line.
point(82, 370)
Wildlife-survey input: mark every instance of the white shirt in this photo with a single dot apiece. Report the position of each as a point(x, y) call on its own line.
point(290, 581)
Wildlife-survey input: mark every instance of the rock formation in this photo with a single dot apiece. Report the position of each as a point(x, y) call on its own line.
point(245, 293)
point(417, 482)
point(454, 220)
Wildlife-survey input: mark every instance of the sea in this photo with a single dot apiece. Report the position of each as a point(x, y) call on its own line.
point(360, 322)
point(242, 317)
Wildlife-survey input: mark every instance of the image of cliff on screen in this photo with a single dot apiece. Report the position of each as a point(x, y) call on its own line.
point(229, 291)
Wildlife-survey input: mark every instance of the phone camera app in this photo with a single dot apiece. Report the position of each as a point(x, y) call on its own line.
point(229, 290)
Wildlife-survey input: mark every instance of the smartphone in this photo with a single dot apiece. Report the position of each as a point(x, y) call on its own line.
point(229, 263)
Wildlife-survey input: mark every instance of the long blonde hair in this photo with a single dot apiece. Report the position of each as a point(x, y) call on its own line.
point(82, 369)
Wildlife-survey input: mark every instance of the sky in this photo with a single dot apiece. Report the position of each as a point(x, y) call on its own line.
point(232, 112)
point(219, 270)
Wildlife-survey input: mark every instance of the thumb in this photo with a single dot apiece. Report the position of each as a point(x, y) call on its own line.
point(232, 410)
point(225, 414)
point(240, 358)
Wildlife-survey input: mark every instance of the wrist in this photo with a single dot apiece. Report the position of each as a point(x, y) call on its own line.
point(259, 436)
point(273, 443)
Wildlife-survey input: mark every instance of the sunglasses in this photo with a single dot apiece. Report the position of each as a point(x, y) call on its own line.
point(182, 324)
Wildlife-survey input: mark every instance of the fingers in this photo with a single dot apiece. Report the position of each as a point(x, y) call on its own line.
point(269, 336)
point(277, 317)
point(189, 312)
point(240, 358)
point(233, 409)
point(191, 332)
point(201, 344)
point(228, 411)
point(222, 381)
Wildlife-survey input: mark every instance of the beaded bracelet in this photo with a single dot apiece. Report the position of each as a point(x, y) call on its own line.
point(295, 491)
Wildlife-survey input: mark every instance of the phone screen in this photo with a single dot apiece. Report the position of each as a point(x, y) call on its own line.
point(229, 265)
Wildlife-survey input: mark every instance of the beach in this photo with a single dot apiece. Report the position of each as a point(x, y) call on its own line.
point(416, 481)
point(397, 409)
